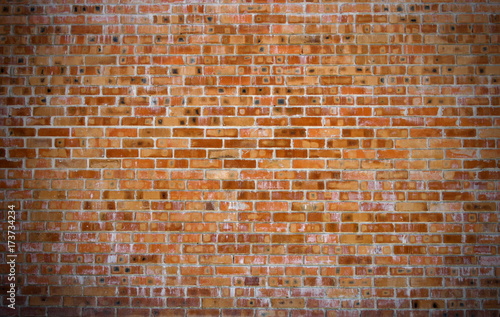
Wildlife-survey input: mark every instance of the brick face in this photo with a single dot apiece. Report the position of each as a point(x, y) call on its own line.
point(266, 158)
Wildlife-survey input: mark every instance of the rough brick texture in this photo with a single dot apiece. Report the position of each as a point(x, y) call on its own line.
point(239, 158)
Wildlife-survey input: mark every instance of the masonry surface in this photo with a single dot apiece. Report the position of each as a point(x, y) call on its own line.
point(238, 158)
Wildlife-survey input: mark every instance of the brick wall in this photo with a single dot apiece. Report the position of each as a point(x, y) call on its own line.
point(300, 158)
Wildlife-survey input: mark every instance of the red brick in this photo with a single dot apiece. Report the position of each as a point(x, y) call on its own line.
point(270, 142)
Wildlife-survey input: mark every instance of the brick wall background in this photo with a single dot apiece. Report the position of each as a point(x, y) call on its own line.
point(238, 158)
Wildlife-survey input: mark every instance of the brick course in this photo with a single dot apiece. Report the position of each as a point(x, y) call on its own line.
point(237, 158)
